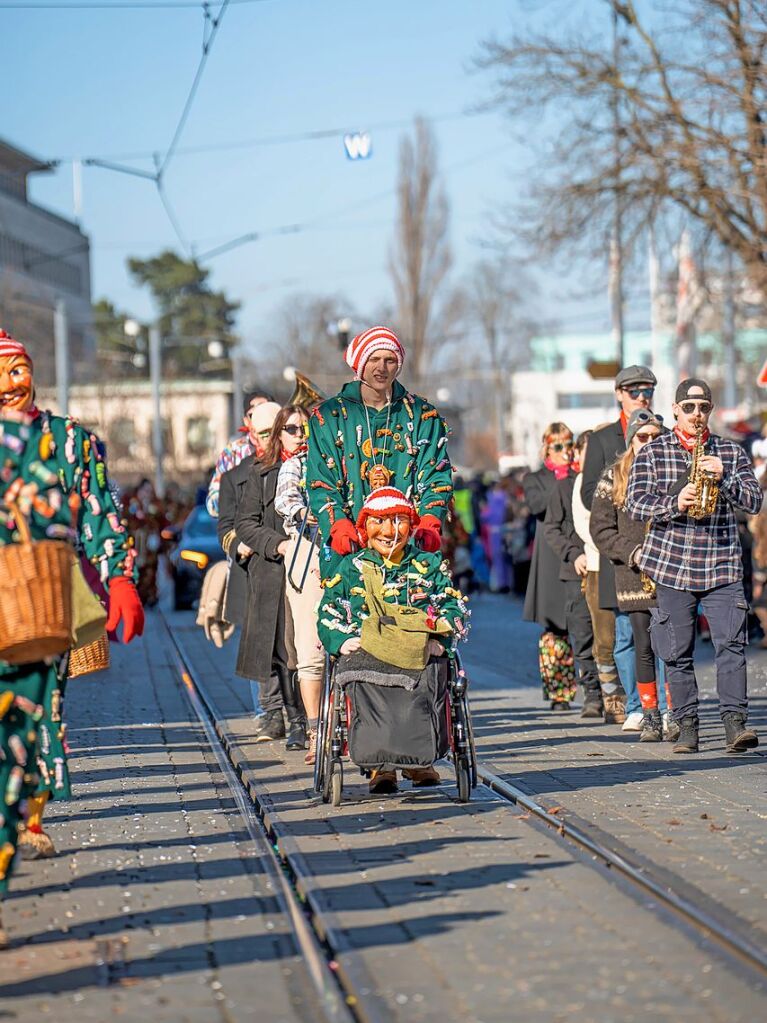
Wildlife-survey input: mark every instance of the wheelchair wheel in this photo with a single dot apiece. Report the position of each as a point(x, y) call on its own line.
point(336, 782)
point(463, 779)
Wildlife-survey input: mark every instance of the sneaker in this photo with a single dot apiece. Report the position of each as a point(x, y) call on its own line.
point(652, 726)
point(633, 722)
point(615, 709)
point(422, 777)
point(382, 782)
point(670, 727)
point(311, 753)
point(296, 735)
point(270, 726)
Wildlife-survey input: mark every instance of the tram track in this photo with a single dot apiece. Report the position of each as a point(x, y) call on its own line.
point(344, 987)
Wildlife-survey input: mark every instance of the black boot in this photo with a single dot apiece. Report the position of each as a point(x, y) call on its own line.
point(739, 738)
point(652, 726)
point(592, 704)
point(296, 733)
point(688, 735)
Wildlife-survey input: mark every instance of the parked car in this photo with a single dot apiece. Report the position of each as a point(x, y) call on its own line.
point(196, 549)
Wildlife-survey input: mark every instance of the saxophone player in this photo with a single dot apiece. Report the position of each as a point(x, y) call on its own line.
point(694, 559)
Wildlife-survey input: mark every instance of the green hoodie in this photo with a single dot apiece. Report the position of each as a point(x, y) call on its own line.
point(409, 437)
point(420, 580)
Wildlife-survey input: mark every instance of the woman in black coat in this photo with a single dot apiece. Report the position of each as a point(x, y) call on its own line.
point(545, 597)
point(264, 645)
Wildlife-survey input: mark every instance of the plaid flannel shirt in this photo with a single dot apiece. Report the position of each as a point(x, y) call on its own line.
point(679, 551)
point(290, 499)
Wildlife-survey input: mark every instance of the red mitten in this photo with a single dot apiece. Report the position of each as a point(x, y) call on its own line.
point(343, 537)
point(125, 606)
point(428, 535)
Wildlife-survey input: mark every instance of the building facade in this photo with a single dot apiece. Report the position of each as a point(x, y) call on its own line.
point(44, 259)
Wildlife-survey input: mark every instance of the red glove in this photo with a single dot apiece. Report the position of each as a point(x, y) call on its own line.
point(125, 606)
point(429, 534)
point(344, 538)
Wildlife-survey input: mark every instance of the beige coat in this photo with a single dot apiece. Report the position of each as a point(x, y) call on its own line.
point(211, 613)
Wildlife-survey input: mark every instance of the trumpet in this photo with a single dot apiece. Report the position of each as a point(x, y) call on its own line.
point(309, 553)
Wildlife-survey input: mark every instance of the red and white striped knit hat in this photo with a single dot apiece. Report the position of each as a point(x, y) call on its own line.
point(385, 502)
point(369, 341)
point(10, 346)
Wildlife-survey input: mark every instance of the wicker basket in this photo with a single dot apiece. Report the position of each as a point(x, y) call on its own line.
point(35, 597)
point(84, 660)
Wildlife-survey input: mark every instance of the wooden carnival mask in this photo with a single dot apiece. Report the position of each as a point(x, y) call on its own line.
point(388, 534)
point(16, 383)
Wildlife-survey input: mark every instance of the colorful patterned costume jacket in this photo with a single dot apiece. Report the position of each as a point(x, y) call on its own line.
point(234, 452)
point(64, 457)
point(413, 447)
point(420, 580)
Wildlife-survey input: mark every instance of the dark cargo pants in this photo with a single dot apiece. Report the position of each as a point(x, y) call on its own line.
point(581, 633)
point(672, 632)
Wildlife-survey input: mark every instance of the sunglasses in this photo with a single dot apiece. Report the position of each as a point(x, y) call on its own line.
point(688, 407)
point(636, 392)
point(564, 445)
point(644, 437)
point(293, 430)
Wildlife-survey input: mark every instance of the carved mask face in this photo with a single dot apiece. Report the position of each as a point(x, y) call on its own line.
point(388, 534)
point(16, 383)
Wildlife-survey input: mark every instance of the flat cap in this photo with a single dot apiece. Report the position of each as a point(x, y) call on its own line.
point(635, 375)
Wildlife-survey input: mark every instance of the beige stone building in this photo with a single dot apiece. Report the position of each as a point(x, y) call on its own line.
point(196, 417)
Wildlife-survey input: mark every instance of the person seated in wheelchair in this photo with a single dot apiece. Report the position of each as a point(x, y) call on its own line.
point(390, 613)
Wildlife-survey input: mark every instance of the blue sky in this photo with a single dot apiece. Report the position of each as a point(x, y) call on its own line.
point(104, 83)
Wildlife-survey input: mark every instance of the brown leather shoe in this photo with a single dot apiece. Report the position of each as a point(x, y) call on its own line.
point(422, 777)
point(615, 709)
point(382, 783)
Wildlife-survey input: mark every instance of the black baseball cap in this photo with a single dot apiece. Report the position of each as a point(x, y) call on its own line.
point(683, 390)
point(635, 375)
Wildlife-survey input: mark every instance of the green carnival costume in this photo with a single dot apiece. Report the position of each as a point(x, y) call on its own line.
point(67, 466)
point(354, 449)
point(420, 580)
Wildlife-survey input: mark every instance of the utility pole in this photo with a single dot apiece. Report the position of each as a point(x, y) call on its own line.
point(61, 351)
point(728, 334)
point(237, 388)
point(155, 373)
point(616, 245)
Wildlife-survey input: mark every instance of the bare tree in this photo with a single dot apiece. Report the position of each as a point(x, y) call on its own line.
point(673, 117)
point(498, 294)
point(420, 258)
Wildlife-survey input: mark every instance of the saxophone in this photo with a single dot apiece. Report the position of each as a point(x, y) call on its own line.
point(706, 489)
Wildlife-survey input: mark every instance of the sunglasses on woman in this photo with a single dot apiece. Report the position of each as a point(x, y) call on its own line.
point(688, 407)
point(643, 437)
point(635, 392)
point(293, 430)
point(564, 445)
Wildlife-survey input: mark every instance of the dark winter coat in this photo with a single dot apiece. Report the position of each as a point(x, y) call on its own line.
point(258, 525)
point(618, 537)
point(604, 447)
point(231, 489)
point(559, 527)
point(545, 597)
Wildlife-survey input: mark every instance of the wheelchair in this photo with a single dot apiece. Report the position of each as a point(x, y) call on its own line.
point(336, 718)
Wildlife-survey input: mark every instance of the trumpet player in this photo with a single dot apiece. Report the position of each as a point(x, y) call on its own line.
point(687, 484)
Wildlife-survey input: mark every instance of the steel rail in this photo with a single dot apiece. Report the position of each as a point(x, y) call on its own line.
point(703, 921)
point(334, 1001)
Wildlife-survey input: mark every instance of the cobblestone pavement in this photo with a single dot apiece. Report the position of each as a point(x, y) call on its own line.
point(154, 908)
point(472, 913)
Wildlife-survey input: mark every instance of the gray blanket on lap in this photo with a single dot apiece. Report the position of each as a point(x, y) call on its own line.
point(363, 667)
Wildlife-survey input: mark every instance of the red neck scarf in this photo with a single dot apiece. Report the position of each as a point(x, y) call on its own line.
point(687, 440)
point(301, 450)
point(560, 471)
point(624, 423)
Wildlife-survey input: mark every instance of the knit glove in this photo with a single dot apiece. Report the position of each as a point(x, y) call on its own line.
point(429, 534)
point(125, 606)
point(343, 537)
